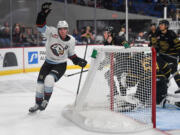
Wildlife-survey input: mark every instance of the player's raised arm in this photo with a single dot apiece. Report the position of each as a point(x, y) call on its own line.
point(42, 15)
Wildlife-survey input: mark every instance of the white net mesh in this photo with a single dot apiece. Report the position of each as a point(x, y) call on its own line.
point(116, 96)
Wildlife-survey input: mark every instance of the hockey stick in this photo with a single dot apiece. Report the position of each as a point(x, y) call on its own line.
point(75, 73)
point(79, 83)
point(176, 58)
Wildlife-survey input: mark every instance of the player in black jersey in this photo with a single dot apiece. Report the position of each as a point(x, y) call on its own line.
point(163, 98)
point(163, 70)
point(141, 76)
point(168, 46)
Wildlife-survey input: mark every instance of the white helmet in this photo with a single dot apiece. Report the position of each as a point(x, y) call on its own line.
point(62, 24)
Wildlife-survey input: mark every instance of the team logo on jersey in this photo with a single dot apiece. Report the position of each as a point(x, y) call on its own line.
point(57, 49)
point(164, 45)
point(55, 36)
point(154, 40)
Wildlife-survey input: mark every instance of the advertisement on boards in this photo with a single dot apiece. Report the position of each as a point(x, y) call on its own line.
point(34, 57)
point(11, 59)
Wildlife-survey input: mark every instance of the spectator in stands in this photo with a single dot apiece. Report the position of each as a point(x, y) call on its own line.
point(122, 34)
point(88, 35)
point(16, 25)
point(122, 31)
point(2, 30)
point(140, 38)
point(6, 24)
point(152, 35)
point(5, 36)
point(23, 28)
point(77, 36)
point(30, 39)
point(23, 36)
point(17, 40)
point(108, 37)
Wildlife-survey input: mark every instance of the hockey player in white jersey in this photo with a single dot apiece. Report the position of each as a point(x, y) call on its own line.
point(59, 47)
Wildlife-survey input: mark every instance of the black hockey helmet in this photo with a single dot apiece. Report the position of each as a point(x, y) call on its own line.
point(165, 22)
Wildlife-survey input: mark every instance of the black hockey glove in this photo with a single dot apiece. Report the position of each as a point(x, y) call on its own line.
point(82, 62)
point(45, 10)
point(78, 61)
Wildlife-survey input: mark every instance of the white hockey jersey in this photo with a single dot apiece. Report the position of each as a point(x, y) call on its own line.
point(57, 50)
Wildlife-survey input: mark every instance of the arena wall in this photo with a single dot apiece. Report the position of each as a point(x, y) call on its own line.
point(30, 59)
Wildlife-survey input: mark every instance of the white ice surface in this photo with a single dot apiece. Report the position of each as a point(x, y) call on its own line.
point(17, 95)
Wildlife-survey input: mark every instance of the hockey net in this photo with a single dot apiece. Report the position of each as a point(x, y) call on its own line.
point(119, 93)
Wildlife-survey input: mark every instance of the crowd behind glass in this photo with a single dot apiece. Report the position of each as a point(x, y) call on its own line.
point(23, 36)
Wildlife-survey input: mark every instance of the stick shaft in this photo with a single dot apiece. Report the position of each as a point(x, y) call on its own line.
point(74, 73)
point(79, 83)
point(170, 56)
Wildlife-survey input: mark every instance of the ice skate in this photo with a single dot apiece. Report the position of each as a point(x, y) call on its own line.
point(35, 108)
point(43, 105)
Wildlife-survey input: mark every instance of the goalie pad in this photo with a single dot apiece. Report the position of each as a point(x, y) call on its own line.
point(171, 101)
point(126, 103)
point(123, 79)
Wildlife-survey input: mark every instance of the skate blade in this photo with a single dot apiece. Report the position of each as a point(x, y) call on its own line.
point(34, 113)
